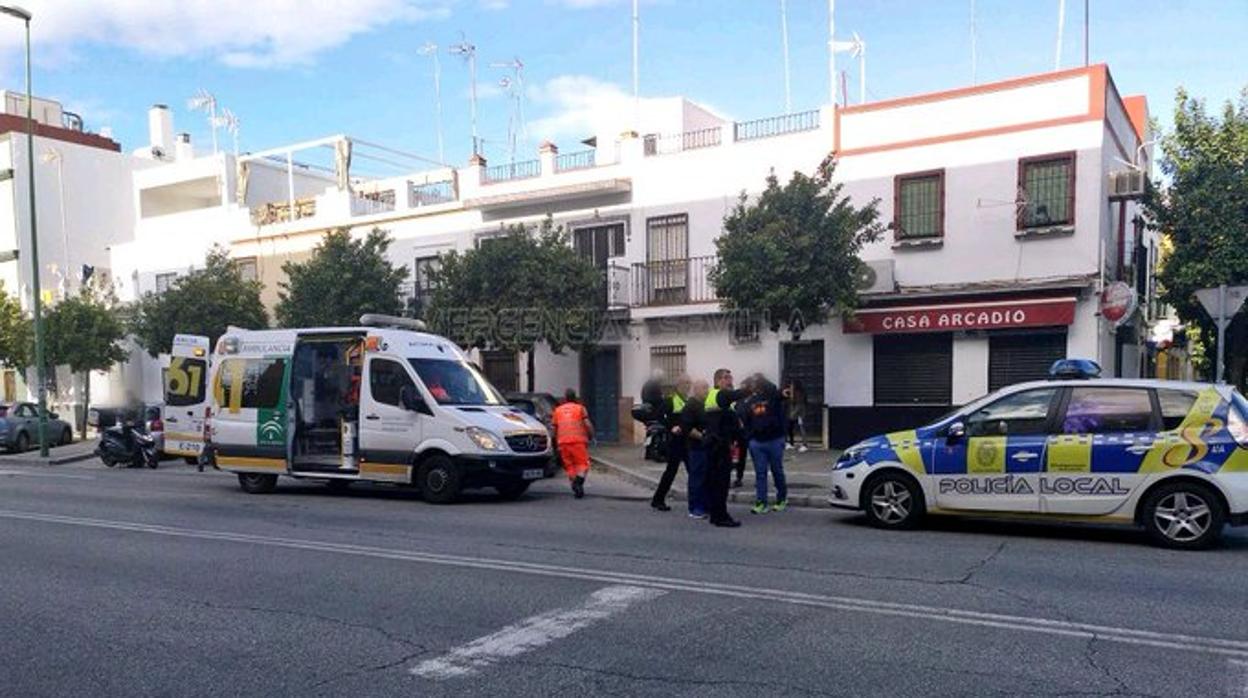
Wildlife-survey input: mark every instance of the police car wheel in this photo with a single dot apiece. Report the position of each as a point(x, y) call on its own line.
point(439, 480)
point(1184, 515)
point(893, 501)
point(257, 483)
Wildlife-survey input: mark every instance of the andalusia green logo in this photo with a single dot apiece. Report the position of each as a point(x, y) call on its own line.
point(271, 427)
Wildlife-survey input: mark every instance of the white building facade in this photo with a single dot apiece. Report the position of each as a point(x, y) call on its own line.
point(1003, 231)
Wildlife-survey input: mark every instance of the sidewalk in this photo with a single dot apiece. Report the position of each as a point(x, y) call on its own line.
point(807, 474)
point(58, 455)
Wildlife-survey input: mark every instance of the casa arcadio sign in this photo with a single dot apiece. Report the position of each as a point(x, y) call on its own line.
point(992, 315)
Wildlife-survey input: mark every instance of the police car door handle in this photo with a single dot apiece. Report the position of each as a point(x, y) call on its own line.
point(1025, 455)
point(371, 417)
point(1139, 449)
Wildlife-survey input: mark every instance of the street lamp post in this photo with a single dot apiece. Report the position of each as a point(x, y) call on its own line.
point(36, 293)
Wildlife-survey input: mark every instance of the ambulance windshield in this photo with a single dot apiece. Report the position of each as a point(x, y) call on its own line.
point(455, 382)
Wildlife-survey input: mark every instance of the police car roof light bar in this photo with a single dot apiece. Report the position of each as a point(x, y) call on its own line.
point(1074, 368)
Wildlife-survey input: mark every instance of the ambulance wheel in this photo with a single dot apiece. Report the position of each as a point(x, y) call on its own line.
point(1183, 515)
point(512, 490)
point(893, 500)
point(439, 480)
point(257, 483)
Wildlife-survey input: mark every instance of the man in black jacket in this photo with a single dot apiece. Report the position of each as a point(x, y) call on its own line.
point(673, 406)
point(721, 423)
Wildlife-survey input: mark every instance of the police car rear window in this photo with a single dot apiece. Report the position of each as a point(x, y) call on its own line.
point(1107, 410)
point(1175, 404)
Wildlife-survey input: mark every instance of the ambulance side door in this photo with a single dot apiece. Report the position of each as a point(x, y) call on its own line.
point(389, 432)
point(186, 395)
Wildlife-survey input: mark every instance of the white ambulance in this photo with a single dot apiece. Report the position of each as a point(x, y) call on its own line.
point(185, 383)
point(384, 402)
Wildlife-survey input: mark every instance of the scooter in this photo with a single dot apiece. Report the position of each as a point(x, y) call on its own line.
point(656, 434)
point(127, 444)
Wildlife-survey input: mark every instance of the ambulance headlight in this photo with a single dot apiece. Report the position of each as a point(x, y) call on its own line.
point(485, 439)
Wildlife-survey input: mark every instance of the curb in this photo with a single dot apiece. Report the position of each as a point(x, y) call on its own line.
point(737, 496)
point(52, 459)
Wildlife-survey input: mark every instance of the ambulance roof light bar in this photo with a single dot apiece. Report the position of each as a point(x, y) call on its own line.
point(393, 322)
point(1074, 368)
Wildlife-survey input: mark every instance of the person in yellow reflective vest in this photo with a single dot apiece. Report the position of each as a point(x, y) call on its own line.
point(677, 445)
point(722, 424)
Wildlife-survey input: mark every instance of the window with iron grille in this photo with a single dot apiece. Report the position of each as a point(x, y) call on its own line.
point(164, 281)
point(668, 358)
point(248, 268)
point(745, 328)
point(667, 258)
point(1048, 184)
point(919, 205)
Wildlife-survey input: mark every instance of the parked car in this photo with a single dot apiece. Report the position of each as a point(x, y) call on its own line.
point(19, 427)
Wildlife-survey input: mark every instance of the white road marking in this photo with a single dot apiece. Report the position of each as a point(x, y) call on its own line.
point(1237, 649)
point(532, 633)
point(32, 473)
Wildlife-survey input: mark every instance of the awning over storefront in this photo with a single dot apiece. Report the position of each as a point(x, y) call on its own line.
point(988, 315)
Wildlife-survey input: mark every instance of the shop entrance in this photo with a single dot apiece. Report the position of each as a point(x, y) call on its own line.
point(803, 362)
point(600, 390)
point(1025, 355)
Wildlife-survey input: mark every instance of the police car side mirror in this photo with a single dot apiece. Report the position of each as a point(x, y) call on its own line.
point(956, 432)
point(412, 401)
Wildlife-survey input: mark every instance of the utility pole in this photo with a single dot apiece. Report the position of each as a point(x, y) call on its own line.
point(832, 51)
point(1061, 26)
point(974, 48)
point(431, 49)
point(469, 52)
point(1085, 33)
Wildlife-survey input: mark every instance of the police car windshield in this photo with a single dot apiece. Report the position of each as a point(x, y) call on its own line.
point(455, 382)
point(967, 408)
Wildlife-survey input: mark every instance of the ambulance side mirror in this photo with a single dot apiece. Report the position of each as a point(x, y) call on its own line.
point(412, 401)
point(956, 432)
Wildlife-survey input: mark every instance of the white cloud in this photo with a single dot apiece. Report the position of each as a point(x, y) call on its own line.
point(585, 4)
point(579, 106)
point(241, 33)
point(495, 5)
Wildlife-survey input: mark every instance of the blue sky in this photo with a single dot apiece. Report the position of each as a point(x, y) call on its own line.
point(298, 69)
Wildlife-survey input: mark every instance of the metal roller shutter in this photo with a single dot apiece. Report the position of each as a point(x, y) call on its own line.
point(913, 369)
point(1016, 357)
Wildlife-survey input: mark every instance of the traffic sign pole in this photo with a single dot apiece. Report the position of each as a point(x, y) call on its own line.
point(1222, 303)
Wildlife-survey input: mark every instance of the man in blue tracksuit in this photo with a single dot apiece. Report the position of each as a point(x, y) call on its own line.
point(766, 425)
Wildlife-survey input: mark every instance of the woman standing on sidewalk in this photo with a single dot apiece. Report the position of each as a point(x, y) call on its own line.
point(795, 408)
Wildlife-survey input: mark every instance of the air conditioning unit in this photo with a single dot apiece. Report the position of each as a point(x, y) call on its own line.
point(1126, 184)
point(877, 276)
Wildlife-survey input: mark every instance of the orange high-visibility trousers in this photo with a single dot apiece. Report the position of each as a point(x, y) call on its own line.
point(575, 457)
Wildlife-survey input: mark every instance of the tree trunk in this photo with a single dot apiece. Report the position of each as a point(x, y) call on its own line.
point(86, 404)
point(529, 363)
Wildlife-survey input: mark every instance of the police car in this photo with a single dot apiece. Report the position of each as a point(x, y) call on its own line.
point(1169, 456)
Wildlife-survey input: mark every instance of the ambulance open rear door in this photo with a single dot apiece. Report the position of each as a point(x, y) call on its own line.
point(186, 396)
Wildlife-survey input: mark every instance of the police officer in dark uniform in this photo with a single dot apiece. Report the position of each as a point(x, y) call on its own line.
point(722, 420)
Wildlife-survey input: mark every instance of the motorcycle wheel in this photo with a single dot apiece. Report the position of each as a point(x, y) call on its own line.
point(108, 462)
point(152, 460)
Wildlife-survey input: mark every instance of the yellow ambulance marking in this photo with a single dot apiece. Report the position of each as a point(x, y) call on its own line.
point(985, 455)
point(1186, 443)
point(1069, 453)
point(906, 445)
point(252, 462)
point(389, 470)
point(184, 435)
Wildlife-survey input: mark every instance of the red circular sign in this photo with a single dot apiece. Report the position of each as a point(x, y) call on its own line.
point(1117, 301)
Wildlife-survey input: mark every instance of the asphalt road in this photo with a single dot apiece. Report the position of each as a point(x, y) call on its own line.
point(171, 582)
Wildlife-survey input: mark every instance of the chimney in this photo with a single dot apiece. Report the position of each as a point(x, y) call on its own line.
point(183, 150)
point(160, 129)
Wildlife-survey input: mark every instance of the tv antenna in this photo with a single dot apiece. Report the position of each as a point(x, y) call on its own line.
point(784, 47)
point(1061, 25)
point(468, 52)
point(431, 49)
point(230, 123)
point(1022, 203)
point(205, 101)
point(514, 86)
point(857, 48)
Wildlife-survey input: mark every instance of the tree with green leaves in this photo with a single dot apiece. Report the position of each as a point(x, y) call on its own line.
point(16, 332)
point(791, 255)
point(1204, 214)
point(518, 290)
point(345, 278)
point(85, 333)
point(204, 302)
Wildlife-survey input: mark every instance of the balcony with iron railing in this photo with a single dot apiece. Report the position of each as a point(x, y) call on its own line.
point(511, 171)
point(658, 144)
point(673, 282)
point(280, 211)
point(775, 126)
point(580, 160)
point(431, 193)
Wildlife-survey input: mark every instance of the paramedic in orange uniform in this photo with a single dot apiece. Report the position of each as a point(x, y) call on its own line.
point(573, 432)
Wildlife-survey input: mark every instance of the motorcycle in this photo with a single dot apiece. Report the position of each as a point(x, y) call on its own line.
point(127, 444)
point(657, 435)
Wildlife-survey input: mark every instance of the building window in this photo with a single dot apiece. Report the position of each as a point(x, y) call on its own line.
point(667, 259)
point(919, 205)
point(248, 268)
point(670, 359)
point(913, 369)
point(1047, 190)
point(598, 243)
point(164, 281)
point(424, 267)
point(745, 327)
